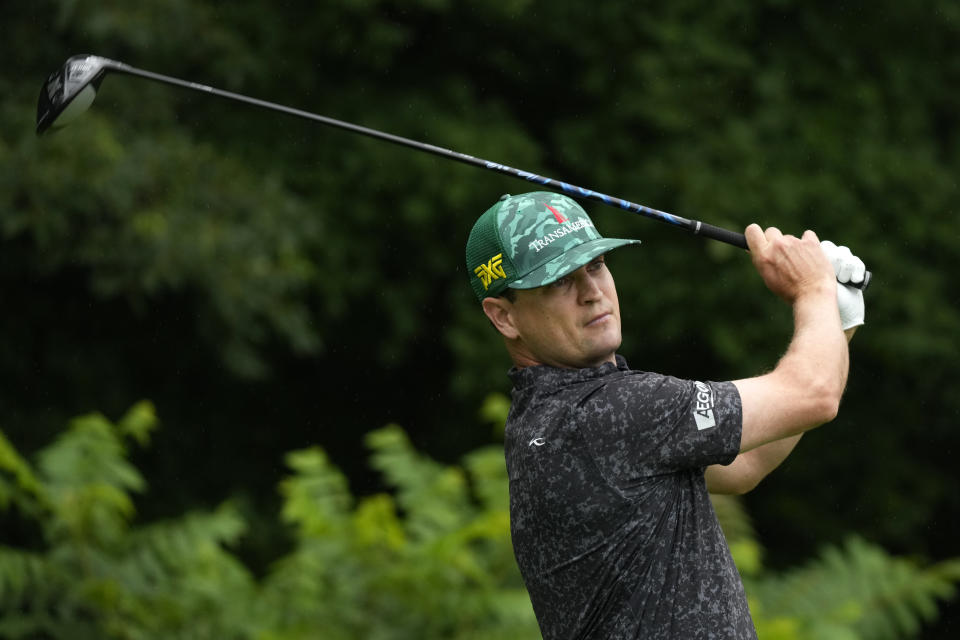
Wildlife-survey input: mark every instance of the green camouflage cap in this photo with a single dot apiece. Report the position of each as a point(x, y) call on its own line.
point(531, 240)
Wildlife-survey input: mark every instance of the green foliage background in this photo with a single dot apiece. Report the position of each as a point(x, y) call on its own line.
point(273, 285)
point(430, 559)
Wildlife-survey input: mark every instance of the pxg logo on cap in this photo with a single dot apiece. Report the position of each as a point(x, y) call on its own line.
point(491, 270)
point(530, 240)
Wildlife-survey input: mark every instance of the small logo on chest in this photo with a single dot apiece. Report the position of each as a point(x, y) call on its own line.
point(537, 442)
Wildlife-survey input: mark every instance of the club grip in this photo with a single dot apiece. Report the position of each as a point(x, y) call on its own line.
point(721, 234)
point(740, 240)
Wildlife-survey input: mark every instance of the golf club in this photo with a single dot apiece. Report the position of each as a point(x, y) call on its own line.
point(70, 91)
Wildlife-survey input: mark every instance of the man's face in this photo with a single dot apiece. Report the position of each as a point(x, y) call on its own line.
point(573, 322)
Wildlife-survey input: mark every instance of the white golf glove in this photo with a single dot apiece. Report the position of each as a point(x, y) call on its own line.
point(848, 269)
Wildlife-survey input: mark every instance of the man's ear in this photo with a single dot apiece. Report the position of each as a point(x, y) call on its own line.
point(500, 313)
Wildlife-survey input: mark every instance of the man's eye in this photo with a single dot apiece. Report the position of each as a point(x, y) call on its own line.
point(596, 265)
point(562, 282)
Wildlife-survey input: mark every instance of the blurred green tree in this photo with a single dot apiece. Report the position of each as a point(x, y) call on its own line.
point(430, 558)
point(245, 269)
point(91, 574)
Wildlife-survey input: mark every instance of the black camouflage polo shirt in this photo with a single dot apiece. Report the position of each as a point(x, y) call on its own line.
point(612, 525)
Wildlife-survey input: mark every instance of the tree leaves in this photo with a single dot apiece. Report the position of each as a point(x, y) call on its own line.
point(226, 259)
point(96, 575)
point(430, 557)
point(861, 590)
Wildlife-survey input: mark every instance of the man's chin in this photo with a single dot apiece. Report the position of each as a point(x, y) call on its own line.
point(605, 353)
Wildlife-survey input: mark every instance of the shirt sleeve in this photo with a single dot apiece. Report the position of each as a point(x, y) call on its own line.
point(648, 424)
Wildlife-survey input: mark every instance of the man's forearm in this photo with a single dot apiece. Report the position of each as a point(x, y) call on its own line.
point(750, 467)
point(818, 354)
point(804, 389)
point(746, 472)
point(768, 457)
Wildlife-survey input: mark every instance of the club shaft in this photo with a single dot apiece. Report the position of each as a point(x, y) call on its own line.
point(693, 226)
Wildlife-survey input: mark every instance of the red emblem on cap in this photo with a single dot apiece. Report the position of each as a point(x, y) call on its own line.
point(556, 214)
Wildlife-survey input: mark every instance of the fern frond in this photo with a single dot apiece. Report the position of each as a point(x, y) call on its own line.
point(89, 481)
point(13, 464)
point(434, 498)
point(316, 497)
point(170, 576)
point(98, 576)
point(138, 422)
point(733, 518)
point(37, 598)
point(90, 452)
point(738, 529)
point(487, 471)
point(375, 524)
point(436, 561)
point(18, 484)
point(26, 577)
point(495, 408)
point(190, 538)
point(862, 588)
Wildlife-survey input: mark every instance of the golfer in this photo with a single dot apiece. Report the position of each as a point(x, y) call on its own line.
point(610, 467)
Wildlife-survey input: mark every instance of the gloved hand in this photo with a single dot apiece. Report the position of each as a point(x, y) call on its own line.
point(848, 268)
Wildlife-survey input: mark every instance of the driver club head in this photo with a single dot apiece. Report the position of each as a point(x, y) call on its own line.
point(70, 91)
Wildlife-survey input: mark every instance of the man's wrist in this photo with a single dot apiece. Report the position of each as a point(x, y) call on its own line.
point(816, 304)
point(820, 292)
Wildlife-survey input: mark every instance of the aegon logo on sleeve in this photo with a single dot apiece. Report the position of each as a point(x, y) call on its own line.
point(703, 409)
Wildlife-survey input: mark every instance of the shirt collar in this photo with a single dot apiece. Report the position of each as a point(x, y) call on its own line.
point(555, 376)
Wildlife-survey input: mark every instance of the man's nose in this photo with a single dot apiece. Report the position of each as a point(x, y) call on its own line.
point(588, 287)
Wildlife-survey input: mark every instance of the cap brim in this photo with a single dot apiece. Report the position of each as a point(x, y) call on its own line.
point(569, 262)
